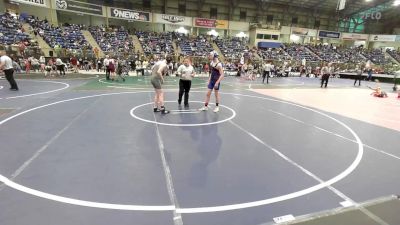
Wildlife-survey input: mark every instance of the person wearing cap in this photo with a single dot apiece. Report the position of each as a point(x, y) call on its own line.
point(217, 74)
point(186, 73)
point(158, 72)
point(6, 65)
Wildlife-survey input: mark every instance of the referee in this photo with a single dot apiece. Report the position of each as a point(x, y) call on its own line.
point(7, 66)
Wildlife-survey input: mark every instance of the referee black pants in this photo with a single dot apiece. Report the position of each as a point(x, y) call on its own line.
point(358, 78)
point(184, 87)
point(10, 78)
point(266, 74)
point(108, 71)
point(325, 79)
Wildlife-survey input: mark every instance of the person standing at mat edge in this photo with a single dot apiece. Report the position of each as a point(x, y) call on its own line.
point(214, 81)
point(7, 66)
point(326, 72)
point(158, 72)
point(358, 75)
point(267, 71)
point(186, 73)
point(106, 64)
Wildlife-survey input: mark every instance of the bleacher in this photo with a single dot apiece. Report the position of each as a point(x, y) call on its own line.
point(197, 46)
point(395, 54)
point(277, 54)
point(376, 56)
point(326, 52)
point(299, 52)
point(231, 48)
point(156, 43)
point(351, 55)
point(112, 40)
point(70, 37)
point(11, 31)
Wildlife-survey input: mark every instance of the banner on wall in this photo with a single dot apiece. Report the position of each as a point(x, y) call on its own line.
point(171, 19)
point(304, 32)
point(398, 38)
point(328, 34)
point(127, 14)
point(79, 7)
point(210, 23)
point(352, 36)
point(388, 38)
point(40, 3)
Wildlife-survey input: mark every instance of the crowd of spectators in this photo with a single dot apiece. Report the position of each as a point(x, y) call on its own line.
point(277, 54)
point(377, 56)
point(351, 55)
point(56, 37)
point(156, 43)
point(325, 52)
point(395, 54)
point(232, 48)
point(11, 30)
point(194, 46)
point(113, 39)
point(299, 52)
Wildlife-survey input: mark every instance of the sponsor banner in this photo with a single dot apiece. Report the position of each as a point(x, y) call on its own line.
point(328, 34)
point(388, 38)
point(210, 23)
point(171, 19)
point(40, 3)
point(79, 7)
point(352, 36)
point(127, 14)
point(304, 32)
point(398, 38)
point(299, 31)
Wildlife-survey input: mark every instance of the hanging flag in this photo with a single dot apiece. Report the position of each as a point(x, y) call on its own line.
point(341, 5)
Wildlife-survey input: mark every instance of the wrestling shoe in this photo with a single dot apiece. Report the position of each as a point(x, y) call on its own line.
point(204, 108)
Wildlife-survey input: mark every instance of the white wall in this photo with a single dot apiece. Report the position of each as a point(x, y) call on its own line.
point(143, 26)
point(384, 44)
point(73, 18)
point(42, 13)
point(233, 33)
point(2, 7)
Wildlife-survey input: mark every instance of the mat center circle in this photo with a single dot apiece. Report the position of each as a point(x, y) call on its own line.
point(183, 117)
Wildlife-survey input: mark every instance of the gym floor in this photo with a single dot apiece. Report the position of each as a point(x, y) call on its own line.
point(90, 151)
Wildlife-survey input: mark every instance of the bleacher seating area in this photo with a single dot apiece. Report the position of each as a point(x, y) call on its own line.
point(11, 31)
point(156, 43)
point(351, 55)
point(69, 38)
point(325, 52)
point(395, 54)
point(299, 52)
point(376, 56)
point(115, 39)
point(277, 54)
point(231, 48)
point(196, 46)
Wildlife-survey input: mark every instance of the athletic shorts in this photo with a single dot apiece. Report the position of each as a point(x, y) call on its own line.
point(211, 85)
point(156, 82)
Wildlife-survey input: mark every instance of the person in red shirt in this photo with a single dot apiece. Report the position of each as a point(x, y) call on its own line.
point(96, 52)
point(22, 47)
point(206, 68)
point(27, 65)
point(74, 63)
